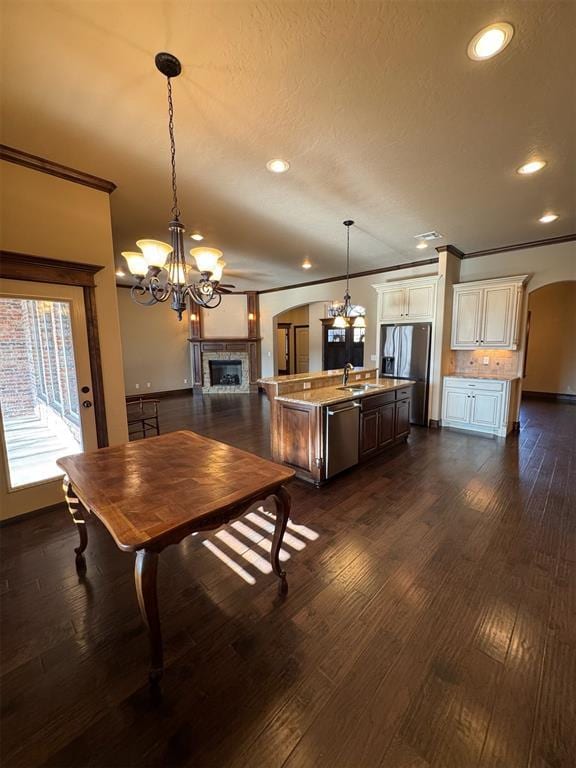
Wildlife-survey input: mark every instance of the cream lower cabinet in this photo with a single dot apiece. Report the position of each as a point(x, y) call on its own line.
point(479, 405)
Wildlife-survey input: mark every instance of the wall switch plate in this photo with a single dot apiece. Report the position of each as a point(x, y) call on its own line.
point(307, 385)
point(485, 361)
point(136, 386)
point(148, 384)
point(373, 358)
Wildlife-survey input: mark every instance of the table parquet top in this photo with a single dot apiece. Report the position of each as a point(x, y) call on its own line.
point(148, 492)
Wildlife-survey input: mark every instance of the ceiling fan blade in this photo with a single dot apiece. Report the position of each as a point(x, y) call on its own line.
point(226, 285)
point(222, 290)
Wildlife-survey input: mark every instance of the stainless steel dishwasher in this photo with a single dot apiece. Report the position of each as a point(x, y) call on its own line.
point(342, 436)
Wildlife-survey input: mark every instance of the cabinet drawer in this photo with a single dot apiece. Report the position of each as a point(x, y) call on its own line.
point(402, 394)
point(375, 401)
point(469, 384)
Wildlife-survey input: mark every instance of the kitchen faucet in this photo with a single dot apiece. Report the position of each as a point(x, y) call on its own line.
point(347, 368)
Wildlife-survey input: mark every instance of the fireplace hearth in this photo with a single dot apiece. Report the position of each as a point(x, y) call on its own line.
point(225, 373)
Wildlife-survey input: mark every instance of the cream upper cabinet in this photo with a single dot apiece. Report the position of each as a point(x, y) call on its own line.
point(392, 304)
point(487, 314)
point(401, 302)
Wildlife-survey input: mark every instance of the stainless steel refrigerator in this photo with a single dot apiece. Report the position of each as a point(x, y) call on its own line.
point(405, 354)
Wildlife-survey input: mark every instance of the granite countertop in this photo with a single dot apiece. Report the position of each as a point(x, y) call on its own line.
point(312, 376)
point(489, 376)
point(331, 395)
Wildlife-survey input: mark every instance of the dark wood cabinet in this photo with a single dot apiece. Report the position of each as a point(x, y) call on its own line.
point(402, 428)
point(386, 424)
point(369, 432)
point(341, 346)
point(385, 420)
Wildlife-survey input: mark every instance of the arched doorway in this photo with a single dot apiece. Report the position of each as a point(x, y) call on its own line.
point(550, 363)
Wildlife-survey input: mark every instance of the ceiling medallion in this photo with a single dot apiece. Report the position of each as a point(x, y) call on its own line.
point(163, 271)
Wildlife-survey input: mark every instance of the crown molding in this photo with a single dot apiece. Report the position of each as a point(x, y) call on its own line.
point(366, 273)
point(41, 164)
point(520, 246)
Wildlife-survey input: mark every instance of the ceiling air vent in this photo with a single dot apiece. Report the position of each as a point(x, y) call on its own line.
point(429, 236)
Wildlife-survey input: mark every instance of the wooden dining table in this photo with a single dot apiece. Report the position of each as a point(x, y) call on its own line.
point(153, 493)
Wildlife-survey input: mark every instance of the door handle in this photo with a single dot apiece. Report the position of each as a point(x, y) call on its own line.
point(86, 404)
point(343, 410)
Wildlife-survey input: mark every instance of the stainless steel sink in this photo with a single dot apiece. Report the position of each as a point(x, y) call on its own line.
point(358, 387)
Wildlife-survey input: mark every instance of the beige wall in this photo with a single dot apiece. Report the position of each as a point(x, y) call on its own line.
point(551, 359)
point(230, 319)
point(156, 347)
point(47, 216)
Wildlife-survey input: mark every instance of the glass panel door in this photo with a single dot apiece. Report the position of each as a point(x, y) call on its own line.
point(44, 363)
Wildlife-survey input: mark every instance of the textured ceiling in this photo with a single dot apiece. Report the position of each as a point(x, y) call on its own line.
point(376, 105)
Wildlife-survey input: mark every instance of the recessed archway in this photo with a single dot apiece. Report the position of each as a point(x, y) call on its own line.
point(550, 366)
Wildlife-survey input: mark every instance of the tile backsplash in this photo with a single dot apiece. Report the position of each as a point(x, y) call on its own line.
point(471, 361)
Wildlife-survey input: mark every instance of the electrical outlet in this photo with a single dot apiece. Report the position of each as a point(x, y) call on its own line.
point(358, 376)
point(136, 386)
point(307, 385)
point(185, 381)
point(485, 361)
point(148, 384)
point(373, 358)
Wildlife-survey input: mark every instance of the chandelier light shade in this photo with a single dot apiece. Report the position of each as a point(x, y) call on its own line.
point(342, 312)
point(163, 271)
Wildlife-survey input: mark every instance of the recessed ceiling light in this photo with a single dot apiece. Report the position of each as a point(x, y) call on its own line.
point(197, 236)
point(277, 165)
point(532, 167)
point(120, 273)
point(490, 41)
point(306, 264)
point(421, 246)
point(548, 218)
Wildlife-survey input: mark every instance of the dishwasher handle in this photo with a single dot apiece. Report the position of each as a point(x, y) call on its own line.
point(343, 410)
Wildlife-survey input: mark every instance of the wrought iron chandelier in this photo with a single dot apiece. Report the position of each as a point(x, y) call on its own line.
point(342, 312)
point(163, 271)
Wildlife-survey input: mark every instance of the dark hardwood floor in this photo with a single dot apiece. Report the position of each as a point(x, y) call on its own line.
point(430, 620)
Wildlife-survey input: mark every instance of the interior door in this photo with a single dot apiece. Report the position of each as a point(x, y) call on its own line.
point(283, 351)
point(301, 351)
point(45, 391)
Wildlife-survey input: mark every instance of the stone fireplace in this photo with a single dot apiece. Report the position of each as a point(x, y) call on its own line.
point(228, 363)
point(224, 372)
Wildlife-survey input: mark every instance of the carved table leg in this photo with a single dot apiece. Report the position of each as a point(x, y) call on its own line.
point(282, 501)
point(145, 571)
point(76, 511)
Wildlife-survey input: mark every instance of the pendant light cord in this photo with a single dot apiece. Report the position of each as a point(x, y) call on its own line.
point(175, 208)
point(347, 259)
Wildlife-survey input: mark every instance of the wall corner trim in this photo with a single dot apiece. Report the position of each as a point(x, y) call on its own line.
point(41, 164)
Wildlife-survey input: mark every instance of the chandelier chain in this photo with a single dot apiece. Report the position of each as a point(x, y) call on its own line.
point(175, 208)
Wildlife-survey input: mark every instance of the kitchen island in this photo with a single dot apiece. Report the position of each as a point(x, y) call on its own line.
point(321, 426)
